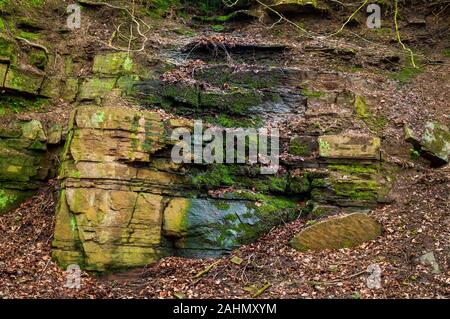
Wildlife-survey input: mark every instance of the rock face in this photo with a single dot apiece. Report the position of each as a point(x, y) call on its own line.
point(337, 232)
point(124, 203)
point(24, 161)
point(106, 215)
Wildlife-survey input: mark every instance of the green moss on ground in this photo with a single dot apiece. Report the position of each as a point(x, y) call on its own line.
point(406, 74)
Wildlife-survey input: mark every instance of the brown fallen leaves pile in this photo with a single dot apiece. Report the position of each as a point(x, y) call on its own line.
point(418, 221)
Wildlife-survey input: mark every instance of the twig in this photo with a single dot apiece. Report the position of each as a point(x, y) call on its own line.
point(348, 20)
point(134, 19)
point(261, 291)
point(206, 270)
point(285, 19)
point(43, 270)
point(335, 281)
point(398, 35)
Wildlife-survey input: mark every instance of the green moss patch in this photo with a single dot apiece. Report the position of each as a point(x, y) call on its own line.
point(376, 123)
point(16, 104)
point(9, 199)
point(406, 74)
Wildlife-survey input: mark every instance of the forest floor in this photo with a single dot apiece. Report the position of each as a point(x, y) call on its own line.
point(416, 222)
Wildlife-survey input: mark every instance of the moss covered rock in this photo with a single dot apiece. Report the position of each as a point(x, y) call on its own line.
point(234, 101)
point(292, 7)
point(94, 88)
point(69, 89)
point(11, 198)
point(108, 229)
point(303, 146)
point(349, 147)
point(436, 142)
point(113, 63)
point(210, 227)
point(353, 185)
point(28, 81)
point(23, 161)
point(7, 46)
point(3, 69)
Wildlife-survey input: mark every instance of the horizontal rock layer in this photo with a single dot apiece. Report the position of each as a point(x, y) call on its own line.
point(25, 160)
point(125, 203)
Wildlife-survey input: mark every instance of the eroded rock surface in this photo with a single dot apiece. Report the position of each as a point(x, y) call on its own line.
point(337, 232)
point(25, 161)
point(124, 203)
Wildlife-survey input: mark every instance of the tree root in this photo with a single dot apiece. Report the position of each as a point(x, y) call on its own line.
point(411, 53)
point(134, 20)
point(36, 45)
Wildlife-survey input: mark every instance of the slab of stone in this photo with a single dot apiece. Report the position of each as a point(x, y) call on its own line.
point(94, 88)
point(428, 259)
point(337, 232)
point(113, 63)
point(51, 87)
point(349, 147)
point(436, 142)
point(54, 134)
point(26, 81)
point(115, 228)
point(69, 89)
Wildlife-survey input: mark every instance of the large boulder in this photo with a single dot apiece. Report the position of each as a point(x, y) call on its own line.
point(337, 232)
